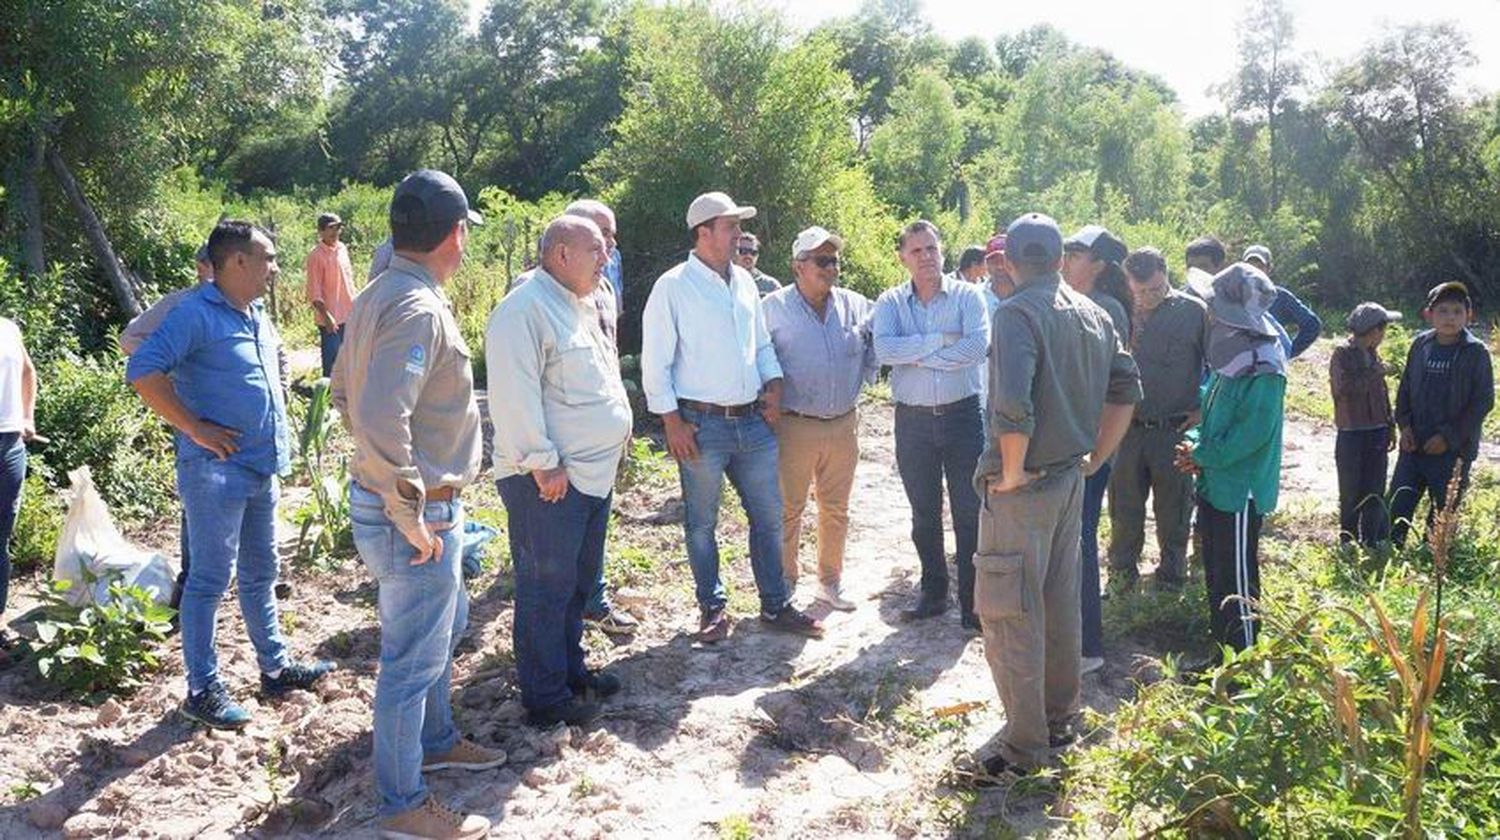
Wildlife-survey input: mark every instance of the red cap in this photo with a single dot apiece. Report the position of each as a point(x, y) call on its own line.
point(996, 245)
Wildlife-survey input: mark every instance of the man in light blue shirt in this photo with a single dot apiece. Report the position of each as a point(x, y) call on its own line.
point(210, 371)
point(822, 338)
point(934, 333)
point(709, 369)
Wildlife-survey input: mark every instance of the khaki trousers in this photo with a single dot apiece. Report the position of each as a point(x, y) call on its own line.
point(822, 454)
point(1026, 595)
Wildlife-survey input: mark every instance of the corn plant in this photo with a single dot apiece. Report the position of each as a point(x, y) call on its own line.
point(327, 531)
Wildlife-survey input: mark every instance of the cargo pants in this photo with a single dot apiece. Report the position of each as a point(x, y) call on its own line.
point(1145, 465)
point(1026, 592)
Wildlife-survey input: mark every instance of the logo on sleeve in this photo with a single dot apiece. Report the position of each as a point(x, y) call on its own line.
point(416, 360)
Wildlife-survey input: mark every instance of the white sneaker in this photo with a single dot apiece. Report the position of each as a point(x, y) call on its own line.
point(830, 595)
point(1090, 664)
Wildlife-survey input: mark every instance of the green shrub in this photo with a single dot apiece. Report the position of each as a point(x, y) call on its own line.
point(100, 647)
point(326, 530)
point(93, 417)
point(34, 541)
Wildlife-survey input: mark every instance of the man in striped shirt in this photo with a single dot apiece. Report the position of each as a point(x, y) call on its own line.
point(934, 333)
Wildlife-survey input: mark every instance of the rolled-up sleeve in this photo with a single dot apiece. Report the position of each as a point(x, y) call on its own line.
point(766, 362)
point(1011, 406)
point(659, 350)
point(166, 347)
point(514, 356)
point(381, 420)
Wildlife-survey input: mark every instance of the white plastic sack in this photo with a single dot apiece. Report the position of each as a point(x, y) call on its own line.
point(92, 549)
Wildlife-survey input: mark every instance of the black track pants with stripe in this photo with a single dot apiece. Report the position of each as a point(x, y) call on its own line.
point(1231, 570)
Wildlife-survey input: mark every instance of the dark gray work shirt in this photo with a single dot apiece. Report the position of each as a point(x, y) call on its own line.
point(1169, 346)
point(1055, 362)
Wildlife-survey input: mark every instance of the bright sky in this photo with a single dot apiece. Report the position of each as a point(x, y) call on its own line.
point(1168, 37)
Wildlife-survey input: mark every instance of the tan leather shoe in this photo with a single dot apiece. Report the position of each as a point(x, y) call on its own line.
point(432, 820)
point(465, 755)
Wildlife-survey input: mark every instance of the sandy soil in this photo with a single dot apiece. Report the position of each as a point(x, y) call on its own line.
point(763, 735)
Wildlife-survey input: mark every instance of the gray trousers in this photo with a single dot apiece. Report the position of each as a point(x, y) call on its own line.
point(1144, 465)
point(1026, 595)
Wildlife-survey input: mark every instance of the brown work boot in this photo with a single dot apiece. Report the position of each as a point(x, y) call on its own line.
point(713, 626)
point(432, 820)
point(465, 755)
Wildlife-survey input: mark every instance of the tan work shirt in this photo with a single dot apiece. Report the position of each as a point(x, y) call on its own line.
point(555, 392)
point(405, 389)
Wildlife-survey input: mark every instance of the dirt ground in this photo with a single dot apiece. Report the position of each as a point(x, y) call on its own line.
point(763, 735)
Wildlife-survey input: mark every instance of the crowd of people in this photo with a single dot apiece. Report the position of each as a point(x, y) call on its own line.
point(1046, 373)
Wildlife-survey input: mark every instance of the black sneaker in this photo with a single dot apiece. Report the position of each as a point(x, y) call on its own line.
point(997, 771)
point(789, 619)
point(294, 676)
point(573, 712)
point(213, 707)
point(926, 607)
point(602, 683)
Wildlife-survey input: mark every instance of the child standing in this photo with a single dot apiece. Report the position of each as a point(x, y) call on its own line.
point(1446, 390)
point(1362, 413)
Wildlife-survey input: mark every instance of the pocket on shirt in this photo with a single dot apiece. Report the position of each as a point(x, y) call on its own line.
point(579, 373)
point(1000, 585)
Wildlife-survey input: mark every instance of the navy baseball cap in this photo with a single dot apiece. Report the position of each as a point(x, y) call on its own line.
point(1034, 238)
point(430, 197)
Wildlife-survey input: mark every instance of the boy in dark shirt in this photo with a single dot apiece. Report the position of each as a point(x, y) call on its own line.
point(1446, 390)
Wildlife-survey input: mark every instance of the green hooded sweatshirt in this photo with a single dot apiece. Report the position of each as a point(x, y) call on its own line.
point(1239, 441)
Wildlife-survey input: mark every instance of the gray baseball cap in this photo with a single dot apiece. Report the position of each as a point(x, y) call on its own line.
point(1034, 238)
point(430, 197)
point(1257, 252)
point(1369, 315)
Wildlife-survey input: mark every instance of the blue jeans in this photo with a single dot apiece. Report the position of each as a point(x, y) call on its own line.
point(328, 347)
point(744, 448)
point(423, 609)
point(231, 514)
point(931, 449)
point(1415, 474)
point(1093, 622)
point(12, 479)
point(558, 549)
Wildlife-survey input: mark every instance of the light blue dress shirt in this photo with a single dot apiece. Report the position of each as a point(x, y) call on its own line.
point(825, 360)
point(936, 350)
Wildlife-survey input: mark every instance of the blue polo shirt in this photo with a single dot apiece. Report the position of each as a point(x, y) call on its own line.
point(223, 365)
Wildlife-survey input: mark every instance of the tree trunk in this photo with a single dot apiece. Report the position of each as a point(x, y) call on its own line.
point(26, 205)
point(104, 253)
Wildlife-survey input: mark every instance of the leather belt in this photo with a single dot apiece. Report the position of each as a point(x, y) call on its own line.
point(743, 410)
point(1171, 422)
point(816, 417)
point(940, 410)
point(442, 494)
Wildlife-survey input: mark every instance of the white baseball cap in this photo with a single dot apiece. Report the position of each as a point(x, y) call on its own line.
point(712, 205)
point(814, 237)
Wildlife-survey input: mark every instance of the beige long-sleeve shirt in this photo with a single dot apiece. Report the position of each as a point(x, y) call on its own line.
point(405, 389)
point(554, 387)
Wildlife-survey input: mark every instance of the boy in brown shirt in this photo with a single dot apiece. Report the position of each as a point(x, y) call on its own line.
point(1362, 413)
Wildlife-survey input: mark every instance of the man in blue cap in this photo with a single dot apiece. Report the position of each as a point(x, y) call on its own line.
point(404, 387)
point(1061, 394)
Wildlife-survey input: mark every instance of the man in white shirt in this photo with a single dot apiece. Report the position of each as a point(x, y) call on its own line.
point(708, 367)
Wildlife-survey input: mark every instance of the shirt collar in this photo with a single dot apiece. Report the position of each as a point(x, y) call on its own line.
point(413, 267)
point(555, 288)
point(211, 293)
point(700, 265)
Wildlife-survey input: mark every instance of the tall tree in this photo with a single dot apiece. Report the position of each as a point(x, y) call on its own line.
point(1400, 98)
point(1269, 73)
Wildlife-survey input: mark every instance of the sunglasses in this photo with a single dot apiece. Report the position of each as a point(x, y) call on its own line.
point(745, 252)
point(823, 261)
